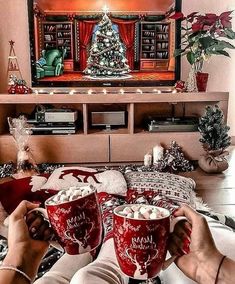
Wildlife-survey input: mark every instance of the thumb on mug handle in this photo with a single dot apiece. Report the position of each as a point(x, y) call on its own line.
point(170, 260)
point(43, 211)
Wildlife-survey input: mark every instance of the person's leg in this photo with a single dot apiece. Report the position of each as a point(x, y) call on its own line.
point(224, 239)
point(64, 269)
point(104, 270)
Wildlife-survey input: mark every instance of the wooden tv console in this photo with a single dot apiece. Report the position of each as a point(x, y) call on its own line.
point(98, 146)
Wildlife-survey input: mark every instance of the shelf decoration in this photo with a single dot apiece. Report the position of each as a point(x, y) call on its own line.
point(215, 139)
point(107, 54)
point(21, 132)
point(18, 86)
point(173, 160)
point(15, 81)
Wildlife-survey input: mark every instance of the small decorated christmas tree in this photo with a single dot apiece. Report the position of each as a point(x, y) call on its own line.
point(107, 54)
point(215, 139)
point(213, 130)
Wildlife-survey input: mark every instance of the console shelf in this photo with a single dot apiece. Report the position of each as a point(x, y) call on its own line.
point(92, 146)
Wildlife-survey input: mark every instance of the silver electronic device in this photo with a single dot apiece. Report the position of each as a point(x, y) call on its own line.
point(181, 124)
point(55, 115)
point(108, 118)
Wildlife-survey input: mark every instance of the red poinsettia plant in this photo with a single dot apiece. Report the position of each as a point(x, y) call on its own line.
point(204, 36)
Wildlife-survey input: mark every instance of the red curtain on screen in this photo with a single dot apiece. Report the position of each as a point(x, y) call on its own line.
point(85, 33)
point(127, 34)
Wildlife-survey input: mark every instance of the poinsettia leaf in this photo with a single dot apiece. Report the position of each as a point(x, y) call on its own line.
point(225, 14)
point(191, 57)
point(178, 52)
point(229, 33)
point(226, 44)
point(177, 16)
point(220, 52)
point(207, 41)
point(226, 23)
point(190, 18)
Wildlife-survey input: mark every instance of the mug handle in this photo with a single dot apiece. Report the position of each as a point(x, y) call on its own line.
point(43, 212)
point(171, 259)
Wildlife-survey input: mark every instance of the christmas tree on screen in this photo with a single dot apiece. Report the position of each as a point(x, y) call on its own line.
point(107, 54)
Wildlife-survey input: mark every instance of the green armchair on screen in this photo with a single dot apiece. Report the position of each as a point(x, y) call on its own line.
point(53, 63)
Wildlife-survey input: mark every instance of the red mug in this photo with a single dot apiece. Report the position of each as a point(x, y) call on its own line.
point(77, 224)
point(141, 244)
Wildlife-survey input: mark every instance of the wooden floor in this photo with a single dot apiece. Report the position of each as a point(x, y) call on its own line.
point(217, 190)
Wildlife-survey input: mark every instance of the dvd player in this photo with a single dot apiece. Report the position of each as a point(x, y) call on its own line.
point(42, 129)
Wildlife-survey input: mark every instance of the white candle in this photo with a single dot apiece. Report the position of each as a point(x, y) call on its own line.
point(147, 160)
point(158, 152)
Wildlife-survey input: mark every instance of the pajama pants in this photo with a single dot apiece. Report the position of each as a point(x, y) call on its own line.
point(80, 269)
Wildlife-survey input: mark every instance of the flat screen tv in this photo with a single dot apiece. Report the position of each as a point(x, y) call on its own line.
point(103, 43)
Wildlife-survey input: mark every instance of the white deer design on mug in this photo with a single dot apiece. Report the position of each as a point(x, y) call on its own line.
point(141, 265)
point(81, 240)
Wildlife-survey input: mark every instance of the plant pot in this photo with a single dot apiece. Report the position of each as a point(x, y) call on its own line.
point(213, 162)
point(202, 79)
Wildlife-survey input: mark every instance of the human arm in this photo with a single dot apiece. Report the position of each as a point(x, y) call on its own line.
point(24, 252)
point(201, 263)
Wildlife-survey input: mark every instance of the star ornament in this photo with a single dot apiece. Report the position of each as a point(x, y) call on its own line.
point(105, 9)
point(11, 42)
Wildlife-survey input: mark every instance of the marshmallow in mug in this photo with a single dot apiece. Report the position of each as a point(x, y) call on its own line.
point(71, 194)
point(142, 212)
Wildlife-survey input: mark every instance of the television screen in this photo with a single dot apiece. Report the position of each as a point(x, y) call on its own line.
point(103, 43)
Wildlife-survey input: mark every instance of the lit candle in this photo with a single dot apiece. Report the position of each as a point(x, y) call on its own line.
point(52, 93)
point(105, 91)
point(72, 92)
point(89, 92)
point(148, 160)
point(139, 91)
point(158, 152)
point(157, 91)
point(122, 91)
point(174, 91)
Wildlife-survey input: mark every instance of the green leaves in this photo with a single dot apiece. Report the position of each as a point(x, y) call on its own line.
point(178, 52)
point(191, 57)
point(203, 35)
point(207, 42)
point(229, 33)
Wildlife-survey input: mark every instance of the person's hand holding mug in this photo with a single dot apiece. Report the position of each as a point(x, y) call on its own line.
point(202, 260)
point(24, 251)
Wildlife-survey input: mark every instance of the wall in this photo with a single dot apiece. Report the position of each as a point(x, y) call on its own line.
point(14, 25)
point(220, 68)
